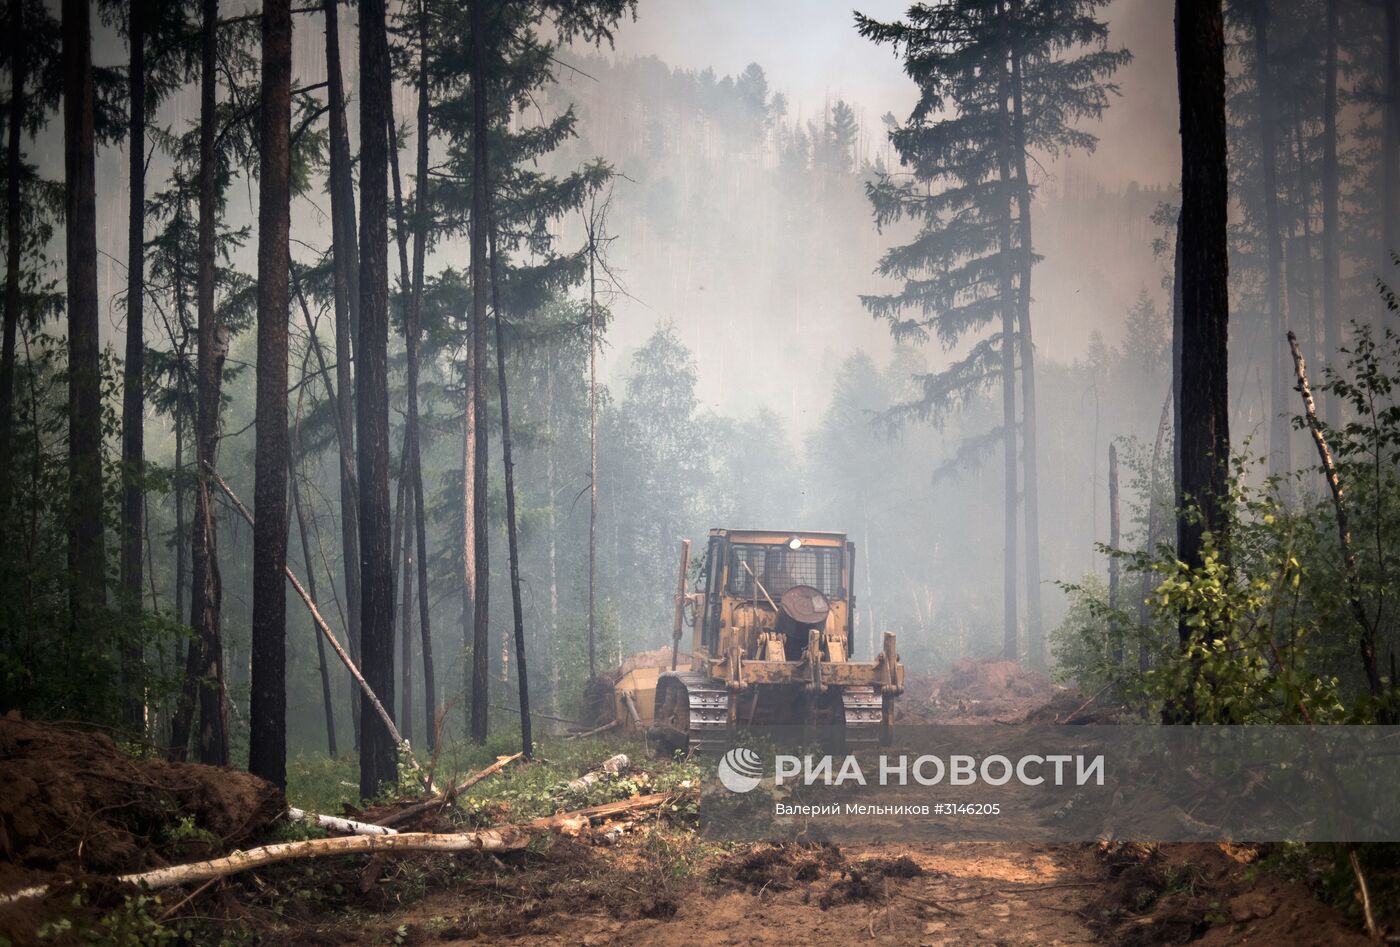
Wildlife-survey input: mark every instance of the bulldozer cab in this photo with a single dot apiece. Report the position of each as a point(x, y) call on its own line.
point(758, 582)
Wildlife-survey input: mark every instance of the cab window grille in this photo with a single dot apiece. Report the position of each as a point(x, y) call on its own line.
point(780, 568)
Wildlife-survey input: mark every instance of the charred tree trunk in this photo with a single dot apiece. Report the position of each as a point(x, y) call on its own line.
point(1010, 643)
point(346, 275)
point(1035, 636)
point(1202, 381)
point(133, 400)
point(1280, 460)
point(1331, 254)
point(14, 166)
point(378, 763)
point(87, 559)
point(267, 709)
point(522, 677)
point(481, 568)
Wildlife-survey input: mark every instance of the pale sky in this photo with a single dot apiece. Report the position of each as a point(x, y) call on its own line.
point(812, 53)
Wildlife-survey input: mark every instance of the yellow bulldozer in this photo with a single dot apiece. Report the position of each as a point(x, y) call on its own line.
point(773, 645)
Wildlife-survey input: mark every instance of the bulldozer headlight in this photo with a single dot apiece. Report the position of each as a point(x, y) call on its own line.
point(795, 543)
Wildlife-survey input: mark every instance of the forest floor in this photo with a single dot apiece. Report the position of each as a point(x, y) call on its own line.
point(657, 882)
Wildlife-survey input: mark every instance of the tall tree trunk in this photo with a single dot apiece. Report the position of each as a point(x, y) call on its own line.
point(411, 474)
point(413, 325)
point(1390, 142)
point(406, 621)
point(1114, 538)
point(1010, 643)
point(87, 559)
point(378, 764)
point(1331, 254)
point(14, 167)
point(133, 400)
point(480, 697)
point(180, 535)
point(346, 275)
point(1202, 381)
point(205, 659)
point(267, 706)
point(1035, 636)
point(1301, 303)
point(1280, 459)
point(522, 677)
point(310, 570)
point(592, 447)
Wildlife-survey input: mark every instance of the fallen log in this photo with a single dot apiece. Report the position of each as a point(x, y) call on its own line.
point(611, 766)
point(409, 813)
point(505, 838)
point(337, 824)
point(603, 810)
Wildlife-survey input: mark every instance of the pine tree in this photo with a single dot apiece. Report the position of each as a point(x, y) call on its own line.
point(267, 709)
point(958, 273)
point(378, 754)
point(1001, 68)
point(488, 60)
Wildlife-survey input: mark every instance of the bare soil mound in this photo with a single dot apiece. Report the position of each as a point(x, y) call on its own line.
point(72, 802)
point(1174, 894)
point(977, 691)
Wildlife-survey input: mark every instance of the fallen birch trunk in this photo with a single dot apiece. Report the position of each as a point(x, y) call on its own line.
point(611, 766)
point(337, 824)
point(442, 799)
point(506, 838)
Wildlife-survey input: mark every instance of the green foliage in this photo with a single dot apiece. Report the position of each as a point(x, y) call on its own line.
point(134, 924)
point(1270, 633)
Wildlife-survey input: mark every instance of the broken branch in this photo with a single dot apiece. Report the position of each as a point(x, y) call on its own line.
point(410, 812)
point(334, 643)
point(337, 824)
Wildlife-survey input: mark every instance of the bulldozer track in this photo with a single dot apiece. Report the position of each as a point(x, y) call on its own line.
point(708, 700)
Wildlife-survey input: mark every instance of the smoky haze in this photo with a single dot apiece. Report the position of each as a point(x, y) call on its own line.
point(744, 382)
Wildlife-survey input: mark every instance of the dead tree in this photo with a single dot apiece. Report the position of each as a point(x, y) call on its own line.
point(1366, 639)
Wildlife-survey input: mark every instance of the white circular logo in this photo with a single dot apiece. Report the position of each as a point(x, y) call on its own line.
point(740, 770)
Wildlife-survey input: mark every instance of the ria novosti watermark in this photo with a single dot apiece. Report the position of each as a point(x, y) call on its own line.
point(739, 770)
point(1065, 783)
